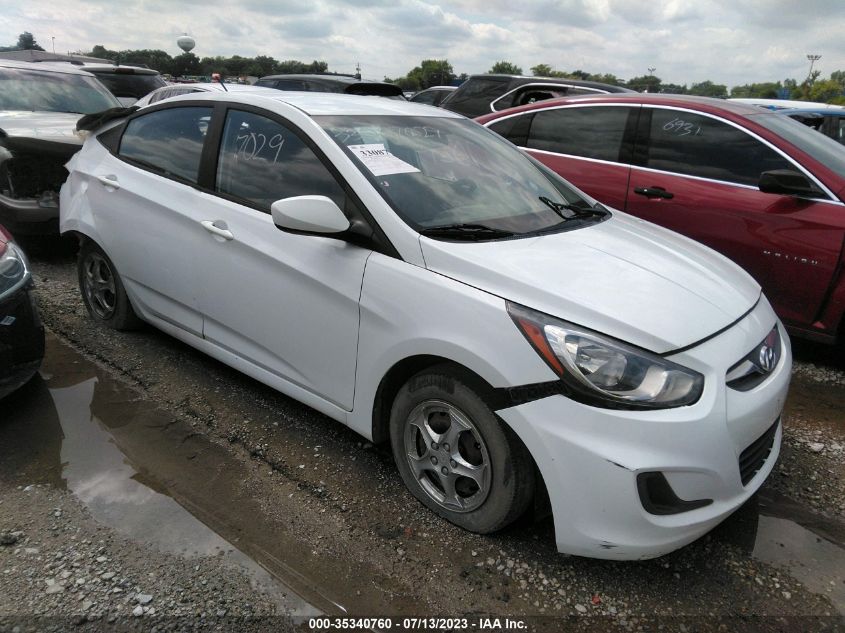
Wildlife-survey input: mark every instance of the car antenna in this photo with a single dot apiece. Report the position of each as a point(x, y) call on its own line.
point(219, 78)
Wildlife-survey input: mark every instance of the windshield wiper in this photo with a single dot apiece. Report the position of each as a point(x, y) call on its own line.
point(466, 231)
point(574, 211)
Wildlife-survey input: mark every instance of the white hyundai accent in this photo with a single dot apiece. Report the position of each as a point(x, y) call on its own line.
point(417, 278)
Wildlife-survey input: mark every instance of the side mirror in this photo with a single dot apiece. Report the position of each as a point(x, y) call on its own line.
point(309, 215)
point(787, 182)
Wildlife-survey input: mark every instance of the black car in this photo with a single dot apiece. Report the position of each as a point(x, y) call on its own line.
point(434, 95)
point(483, 94)
point(21, 331)
point(332, 82)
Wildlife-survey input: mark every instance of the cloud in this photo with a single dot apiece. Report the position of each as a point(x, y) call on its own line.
point(727, 41)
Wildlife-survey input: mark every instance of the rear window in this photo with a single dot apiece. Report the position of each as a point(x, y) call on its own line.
point(130, 85)
point(39, 91)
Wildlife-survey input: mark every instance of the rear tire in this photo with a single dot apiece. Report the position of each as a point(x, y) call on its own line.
point(455, 455)
point(102, 289)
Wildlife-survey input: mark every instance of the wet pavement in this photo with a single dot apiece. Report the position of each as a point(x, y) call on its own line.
point(156, 480)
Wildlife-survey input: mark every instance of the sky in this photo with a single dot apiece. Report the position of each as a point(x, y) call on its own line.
point(729, 42)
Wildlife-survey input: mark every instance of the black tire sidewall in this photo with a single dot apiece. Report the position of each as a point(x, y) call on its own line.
point(123, 317)
point(512, 475)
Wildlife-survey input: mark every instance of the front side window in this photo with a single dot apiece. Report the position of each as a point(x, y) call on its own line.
point(822, 148)
point(40, 91)
point(595, 132)
point(442, 173)
point(695, 145)
point(168, 141)
point(262, 161)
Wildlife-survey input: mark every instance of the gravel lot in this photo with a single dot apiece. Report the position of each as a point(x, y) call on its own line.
point(326, 513)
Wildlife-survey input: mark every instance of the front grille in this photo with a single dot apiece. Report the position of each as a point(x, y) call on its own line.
point(752, 458)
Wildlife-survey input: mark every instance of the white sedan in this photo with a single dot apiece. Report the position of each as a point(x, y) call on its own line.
point(417, 278)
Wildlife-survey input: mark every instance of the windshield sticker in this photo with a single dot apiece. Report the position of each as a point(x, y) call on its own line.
point(380, 161)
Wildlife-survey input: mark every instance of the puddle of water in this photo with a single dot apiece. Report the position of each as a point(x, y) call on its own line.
point(807, 546)
point(153, 479)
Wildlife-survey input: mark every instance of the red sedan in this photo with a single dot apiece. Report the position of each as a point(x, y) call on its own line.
point(754, 185)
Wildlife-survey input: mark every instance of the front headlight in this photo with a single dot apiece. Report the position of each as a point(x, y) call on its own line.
point(603, 371)
point(14, 269)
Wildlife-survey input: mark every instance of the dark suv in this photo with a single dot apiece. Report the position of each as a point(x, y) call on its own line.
point(330, 82)
point(483, 94)
point(127, 83)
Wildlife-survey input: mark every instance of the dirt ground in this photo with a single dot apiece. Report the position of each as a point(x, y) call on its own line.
point(311, 518)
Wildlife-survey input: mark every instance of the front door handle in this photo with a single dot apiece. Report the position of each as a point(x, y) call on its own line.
point(212, 228)
point(109, 181)
point(654, 192)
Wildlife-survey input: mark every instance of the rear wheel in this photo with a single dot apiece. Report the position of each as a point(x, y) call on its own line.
point(455, 455)
point(102, 290)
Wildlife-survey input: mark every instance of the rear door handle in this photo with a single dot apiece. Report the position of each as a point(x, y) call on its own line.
point(109, 181)
point(654, 192)
point(209, 226)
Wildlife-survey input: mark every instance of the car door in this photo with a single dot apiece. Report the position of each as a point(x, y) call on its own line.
point(286, 303)
point(698, 174)
point(144, 199)
point(589, 146)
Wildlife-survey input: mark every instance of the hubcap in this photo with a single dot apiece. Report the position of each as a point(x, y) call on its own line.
point(447, 455)
point(98, 285)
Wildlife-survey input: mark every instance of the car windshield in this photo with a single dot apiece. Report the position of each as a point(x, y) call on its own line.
point(38, 91)
point(446, 173)
point(823, 148)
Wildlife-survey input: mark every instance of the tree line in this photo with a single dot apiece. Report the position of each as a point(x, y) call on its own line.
point(439, 72)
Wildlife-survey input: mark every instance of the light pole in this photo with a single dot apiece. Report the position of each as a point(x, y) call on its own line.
point(651, 70)
point(54, 45)
point(813, 59)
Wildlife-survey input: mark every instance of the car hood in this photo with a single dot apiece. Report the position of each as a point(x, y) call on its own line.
point(53, 127)
point(624, 277)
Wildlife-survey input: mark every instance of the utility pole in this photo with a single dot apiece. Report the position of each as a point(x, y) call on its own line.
point(813, 59)
point(54, 45)
point(358, 69)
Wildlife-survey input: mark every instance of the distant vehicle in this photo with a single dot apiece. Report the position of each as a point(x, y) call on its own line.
point(21, 331)
point(780, 104)
point(176, 90)
point(331, 82)
point(828, 121)
point(39, 107)
point(411, 275)
point(127, 83)
point(434, 95)
point(752, 184)
point(408, 94)
point(483, 94)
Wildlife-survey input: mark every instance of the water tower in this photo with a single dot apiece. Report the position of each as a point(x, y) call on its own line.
point(186, 43)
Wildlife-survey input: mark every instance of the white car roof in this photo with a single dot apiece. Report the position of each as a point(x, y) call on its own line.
point(57, 67)
point(325, 103)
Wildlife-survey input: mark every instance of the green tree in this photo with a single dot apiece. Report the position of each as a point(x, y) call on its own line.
point(825, 90)
point(505, 68)
point(709, 89)
point(432, 72)
point(186, 64)
point(645, 83)
point(26, 42)
point(765, 90)
point(607, 78)
point(544, 70)
point(674, 89)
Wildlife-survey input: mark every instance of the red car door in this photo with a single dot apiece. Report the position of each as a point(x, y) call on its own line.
point(589, 145)
point(697, 174)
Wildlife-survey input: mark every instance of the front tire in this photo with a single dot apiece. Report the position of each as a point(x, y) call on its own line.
point(455, 455)
point(102, 289)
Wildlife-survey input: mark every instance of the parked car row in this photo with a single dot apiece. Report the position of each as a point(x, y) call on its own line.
point(488, 306)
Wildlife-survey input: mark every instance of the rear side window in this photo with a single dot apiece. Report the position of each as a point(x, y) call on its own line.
point(589, 132)
point(167, 141)
point(515, 128)
point(262, 161)
point(695, 145)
